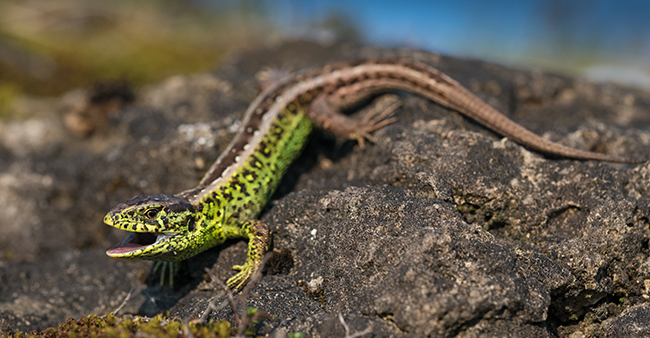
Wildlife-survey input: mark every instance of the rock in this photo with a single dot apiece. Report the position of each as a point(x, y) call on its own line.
point(440, 228)
point(633, 322)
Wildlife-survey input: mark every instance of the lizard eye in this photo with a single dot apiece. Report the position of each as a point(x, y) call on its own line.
point(152, 213)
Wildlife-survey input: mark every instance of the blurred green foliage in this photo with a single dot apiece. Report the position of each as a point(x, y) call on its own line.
point(49, 47)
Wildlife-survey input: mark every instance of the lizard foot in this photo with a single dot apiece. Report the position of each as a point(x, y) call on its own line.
point(259, 240)
point(167, 269)
point(239, 280)
point(372, 121)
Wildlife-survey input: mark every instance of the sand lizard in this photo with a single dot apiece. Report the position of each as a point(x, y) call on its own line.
point(275, 127)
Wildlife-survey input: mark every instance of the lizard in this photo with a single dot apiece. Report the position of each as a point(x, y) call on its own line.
point(228, 199)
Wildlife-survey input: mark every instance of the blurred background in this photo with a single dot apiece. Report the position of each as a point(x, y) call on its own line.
point(50, 47)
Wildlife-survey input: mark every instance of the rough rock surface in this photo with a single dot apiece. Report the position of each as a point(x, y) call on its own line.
point(440, 228)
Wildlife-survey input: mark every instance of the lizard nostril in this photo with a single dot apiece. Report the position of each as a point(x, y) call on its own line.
point(108, 219)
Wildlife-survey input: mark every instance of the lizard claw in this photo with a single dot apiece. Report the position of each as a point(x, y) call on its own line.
point(239, 280)
point(167, 269)
point(374, 120)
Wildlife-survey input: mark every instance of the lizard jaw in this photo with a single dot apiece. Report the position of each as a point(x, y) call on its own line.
point(137, 241)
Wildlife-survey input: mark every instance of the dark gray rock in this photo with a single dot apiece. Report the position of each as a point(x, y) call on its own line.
point(441, 228)
point(387, 253)
point(633, 322)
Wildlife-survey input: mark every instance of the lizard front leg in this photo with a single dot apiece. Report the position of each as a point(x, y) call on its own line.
point(259, 241)
point(167, 269)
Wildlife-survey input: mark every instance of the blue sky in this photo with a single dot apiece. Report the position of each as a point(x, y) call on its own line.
point(584, 37)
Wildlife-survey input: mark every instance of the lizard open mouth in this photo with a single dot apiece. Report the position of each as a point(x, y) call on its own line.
point(137, 241)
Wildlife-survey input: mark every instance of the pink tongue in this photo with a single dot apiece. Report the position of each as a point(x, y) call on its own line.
point(127, 245)
point(124, 248)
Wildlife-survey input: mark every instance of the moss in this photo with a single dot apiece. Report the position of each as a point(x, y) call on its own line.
point(111, 326)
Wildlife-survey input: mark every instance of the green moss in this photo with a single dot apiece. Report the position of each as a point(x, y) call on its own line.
point(110, 326)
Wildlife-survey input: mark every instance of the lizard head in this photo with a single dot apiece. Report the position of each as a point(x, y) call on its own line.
point(156, 223)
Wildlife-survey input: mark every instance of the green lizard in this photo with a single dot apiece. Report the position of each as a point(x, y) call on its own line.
point(276, 125)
